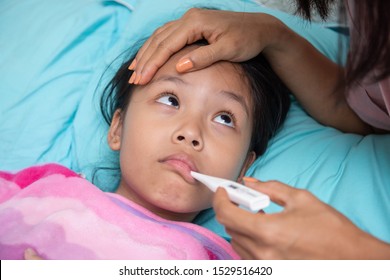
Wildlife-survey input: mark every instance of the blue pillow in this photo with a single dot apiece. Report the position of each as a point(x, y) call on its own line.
point(56, 56)
point(49, 52)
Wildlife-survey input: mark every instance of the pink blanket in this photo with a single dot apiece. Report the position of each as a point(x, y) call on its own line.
point(51, 209)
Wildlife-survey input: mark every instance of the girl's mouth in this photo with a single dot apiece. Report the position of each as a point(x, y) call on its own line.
point(183, 165)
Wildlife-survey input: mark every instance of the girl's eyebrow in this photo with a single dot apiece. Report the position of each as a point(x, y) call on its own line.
point(236, 97)
point(169, 78)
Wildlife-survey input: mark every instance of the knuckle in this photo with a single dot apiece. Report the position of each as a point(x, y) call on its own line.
point(194, 16)
point(212, 54)
point(150, 68)
point(273, 183)
point(268, 254)
point(158, 31)
point(161, 44)
point(192, 12)
point(162, 27)
point(302, 195)
point(156, 40)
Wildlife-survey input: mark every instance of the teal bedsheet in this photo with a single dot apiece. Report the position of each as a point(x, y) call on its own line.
point(56, 56)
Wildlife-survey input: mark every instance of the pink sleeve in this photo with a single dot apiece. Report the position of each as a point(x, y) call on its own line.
point(372, 103)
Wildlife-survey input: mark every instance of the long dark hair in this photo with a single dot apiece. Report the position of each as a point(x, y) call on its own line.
point(370, 43)
point(270, 98)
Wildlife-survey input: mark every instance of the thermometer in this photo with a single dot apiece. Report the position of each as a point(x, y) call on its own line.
point(239, 194)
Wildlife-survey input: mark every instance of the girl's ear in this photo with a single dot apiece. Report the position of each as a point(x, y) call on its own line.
point(114, 135)
point(250, 158)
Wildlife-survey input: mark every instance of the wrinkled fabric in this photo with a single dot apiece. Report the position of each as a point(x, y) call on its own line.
point(60, 215)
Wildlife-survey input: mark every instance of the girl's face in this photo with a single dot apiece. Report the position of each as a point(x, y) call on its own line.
point(200, 121)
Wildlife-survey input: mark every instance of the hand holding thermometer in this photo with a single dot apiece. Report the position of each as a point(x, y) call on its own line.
point(240, 194)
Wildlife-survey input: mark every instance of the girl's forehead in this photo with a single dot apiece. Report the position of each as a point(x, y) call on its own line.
point(223, 73)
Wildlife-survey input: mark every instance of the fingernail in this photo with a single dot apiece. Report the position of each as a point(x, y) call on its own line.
point(184, 65)
point(132, 78)
point(133, 64)
point(250, 179)
point(139, 76)
point(29, 253)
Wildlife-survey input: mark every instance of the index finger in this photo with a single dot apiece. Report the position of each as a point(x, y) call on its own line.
point(160, 47)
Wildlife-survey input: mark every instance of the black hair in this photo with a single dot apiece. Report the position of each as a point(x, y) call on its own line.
point(270, 98)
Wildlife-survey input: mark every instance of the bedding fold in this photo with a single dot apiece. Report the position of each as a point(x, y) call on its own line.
point(60, 215)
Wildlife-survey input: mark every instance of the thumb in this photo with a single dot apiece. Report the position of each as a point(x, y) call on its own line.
point(200, 58)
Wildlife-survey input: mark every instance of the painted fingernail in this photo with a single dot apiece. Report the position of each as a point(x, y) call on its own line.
point(250, 179)
point(132, 78)
point(133, 64)
point(184, 65)
point(139, 76)
point(29, 253)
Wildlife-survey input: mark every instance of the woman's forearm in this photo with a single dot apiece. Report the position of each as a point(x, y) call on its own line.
point(316, 81)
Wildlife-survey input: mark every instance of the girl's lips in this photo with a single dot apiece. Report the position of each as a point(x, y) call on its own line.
point(182, 165)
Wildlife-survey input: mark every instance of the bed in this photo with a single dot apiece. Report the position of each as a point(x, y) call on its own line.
point(56, 55)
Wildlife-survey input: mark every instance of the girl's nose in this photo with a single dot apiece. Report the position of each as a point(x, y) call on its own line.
point(189, 134)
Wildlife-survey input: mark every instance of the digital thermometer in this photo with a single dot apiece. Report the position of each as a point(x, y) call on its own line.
point(240, 194)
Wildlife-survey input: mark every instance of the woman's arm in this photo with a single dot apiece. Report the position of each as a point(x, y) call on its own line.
point(316, 81)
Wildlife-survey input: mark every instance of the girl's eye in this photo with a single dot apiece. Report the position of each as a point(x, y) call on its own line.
point(225, 119)
point(169, 99)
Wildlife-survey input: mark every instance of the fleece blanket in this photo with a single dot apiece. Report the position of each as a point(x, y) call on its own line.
point(60, 215)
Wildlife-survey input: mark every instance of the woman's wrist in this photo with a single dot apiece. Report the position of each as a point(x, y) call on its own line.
point(281, 38)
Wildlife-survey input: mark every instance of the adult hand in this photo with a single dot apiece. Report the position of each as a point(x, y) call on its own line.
point(305, 229)
point(233, 36)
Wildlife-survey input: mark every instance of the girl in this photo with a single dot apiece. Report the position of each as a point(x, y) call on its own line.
point(215, 121)
point(354, 99)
